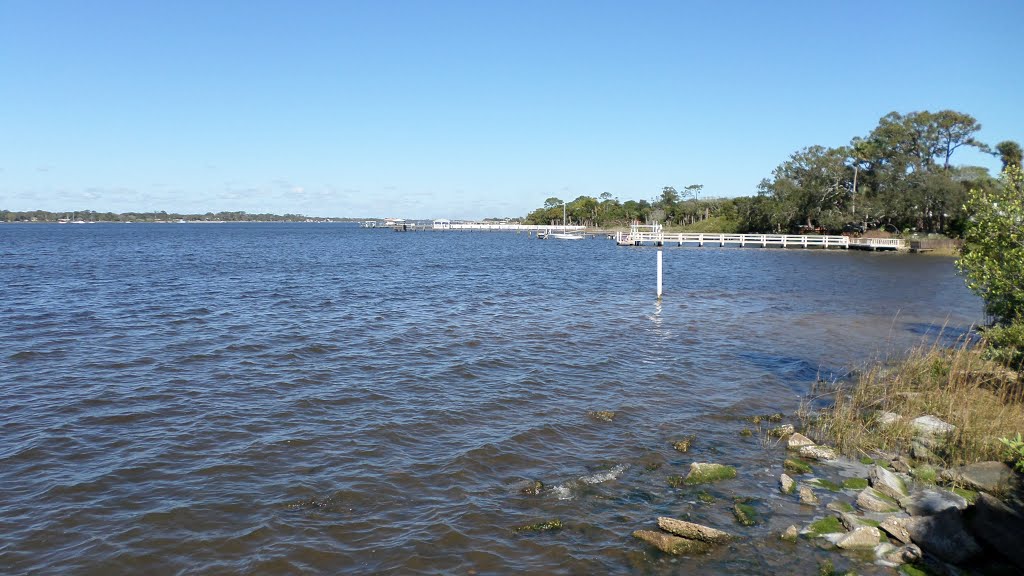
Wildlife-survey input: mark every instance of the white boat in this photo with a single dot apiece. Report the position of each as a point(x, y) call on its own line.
point(565, 234)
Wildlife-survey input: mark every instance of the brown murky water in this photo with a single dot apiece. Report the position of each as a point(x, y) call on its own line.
point(283, 399)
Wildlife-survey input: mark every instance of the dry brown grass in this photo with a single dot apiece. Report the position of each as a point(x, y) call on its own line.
point(959, 385)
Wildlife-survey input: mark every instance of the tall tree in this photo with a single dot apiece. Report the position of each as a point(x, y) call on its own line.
point(1010, 154)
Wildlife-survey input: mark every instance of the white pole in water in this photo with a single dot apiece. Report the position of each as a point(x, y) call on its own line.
point(659, 274)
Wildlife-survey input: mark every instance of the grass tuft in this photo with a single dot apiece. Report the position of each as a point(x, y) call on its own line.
point(959, 385)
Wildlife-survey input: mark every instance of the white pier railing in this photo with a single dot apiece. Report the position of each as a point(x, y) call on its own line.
point(762, 240)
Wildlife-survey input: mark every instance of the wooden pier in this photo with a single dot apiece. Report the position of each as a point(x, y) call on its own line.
point(636, 238)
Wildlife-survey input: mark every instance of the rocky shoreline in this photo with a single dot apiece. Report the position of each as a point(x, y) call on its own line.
point(895, 510)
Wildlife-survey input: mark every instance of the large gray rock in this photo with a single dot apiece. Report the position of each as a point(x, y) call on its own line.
point(886, 419)
point(932, 426)
point(863, 537)
point(672, 544)
point(932, 501)
point(797, 441)
point(887, 483)
point(874, 501)
point(818, 453)
point(693, 531)
point(981, 476)
point(1000, 527)
point(944, 536)
point(896, 526)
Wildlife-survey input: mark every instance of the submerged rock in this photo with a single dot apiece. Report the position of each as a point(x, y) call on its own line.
point(807, 496)
point(602, 415)
point(818, 453)
point(826, 525)
point(672, 544)
point(777, 417)
point(703, 472)
point(532, 488)
point(944, 536)
point(982, 476)
point(539, 526)
point(745, 514)
point(684, 444)
point(796, 466)
point(798, 441)
point(887, 483)
point(693, 531)
point(863, 537)
point(874, 501)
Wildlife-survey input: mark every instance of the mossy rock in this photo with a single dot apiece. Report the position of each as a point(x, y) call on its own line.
point(533, 489)
point(746, 515)
point(676, 481)
point(840, 506)
point(911, 570)
point(746, 432)
point(705, 497)
point(826, 484)
point(827, 525)
point(545, 526)
point(969, 495)
point(855, 483)
point(867, 460)
point(777, 417)
point(652, 466)
point(602, 415)
point(684, 444)
point(796, 466)
point(703, 473)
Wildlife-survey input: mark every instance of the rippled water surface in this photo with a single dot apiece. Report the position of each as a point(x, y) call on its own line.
point(286, 398)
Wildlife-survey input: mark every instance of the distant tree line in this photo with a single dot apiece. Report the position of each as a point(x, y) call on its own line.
point(91, 216)
point(898, 177)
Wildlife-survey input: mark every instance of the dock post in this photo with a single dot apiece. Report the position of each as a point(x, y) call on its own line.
point(659, 274)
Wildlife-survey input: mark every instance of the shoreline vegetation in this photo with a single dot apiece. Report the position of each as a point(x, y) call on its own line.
point(91, 217)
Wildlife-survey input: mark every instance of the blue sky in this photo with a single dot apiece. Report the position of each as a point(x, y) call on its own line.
point(426, 109)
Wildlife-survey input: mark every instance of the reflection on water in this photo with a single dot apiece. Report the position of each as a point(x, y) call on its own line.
point(319, 398)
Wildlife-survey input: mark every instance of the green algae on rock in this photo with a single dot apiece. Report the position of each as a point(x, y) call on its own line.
point(602, 415)
point(827, 525)
point(745, 514)
point(703, 472)
point(855, 483)
point(746, 432)
point(684, 444)
point(539, 526)
point(796, 466)
point(533, 488)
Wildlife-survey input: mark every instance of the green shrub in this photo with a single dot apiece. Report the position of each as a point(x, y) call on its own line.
point(1015, 451)
point(1006, 344)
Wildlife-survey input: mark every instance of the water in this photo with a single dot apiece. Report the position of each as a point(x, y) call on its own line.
point(284, 398)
